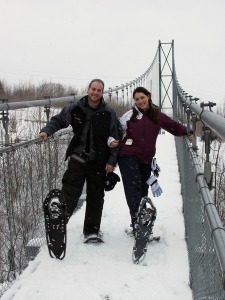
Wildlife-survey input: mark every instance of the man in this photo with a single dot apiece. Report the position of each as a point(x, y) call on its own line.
point(90, 157)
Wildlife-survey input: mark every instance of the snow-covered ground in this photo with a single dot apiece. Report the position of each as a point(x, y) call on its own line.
point(106, 271)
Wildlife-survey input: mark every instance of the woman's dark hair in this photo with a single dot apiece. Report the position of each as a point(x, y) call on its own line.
point(143, 90)
point(151, 112)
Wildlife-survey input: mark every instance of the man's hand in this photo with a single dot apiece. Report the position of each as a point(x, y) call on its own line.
point(109, 168)
point(114, 144)
point(43, 136)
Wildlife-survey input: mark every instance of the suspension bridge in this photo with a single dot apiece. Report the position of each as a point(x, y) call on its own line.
point(29, 169)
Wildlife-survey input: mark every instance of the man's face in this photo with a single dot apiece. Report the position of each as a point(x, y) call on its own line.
point(95, 92)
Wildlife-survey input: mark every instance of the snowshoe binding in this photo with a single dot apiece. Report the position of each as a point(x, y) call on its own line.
point(143, 234)
point(55, 215)
point(94, 238)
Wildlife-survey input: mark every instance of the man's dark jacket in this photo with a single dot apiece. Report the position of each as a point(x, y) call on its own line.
point(104, 123)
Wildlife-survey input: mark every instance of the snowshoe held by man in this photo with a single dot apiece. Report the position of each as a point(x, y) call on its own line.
point(55, 215)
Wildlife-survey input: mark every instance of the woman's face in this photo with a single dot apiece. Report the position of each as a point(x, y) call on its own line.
point(141, 101)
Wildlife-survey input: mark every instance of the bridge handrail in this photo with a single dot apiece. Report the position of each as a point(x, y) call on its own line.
point(52, 101)
point(214, 121)
point(16, 146)
point(68, 99)
point(35, 103)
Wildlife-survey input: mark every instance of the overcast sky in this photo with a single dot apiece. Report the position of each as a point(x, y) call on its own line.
point(73, 41)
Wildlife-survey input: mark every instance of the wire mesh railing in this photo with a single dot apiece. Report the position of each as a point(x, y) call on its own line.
point(27, 172)
point(204, 231)
point(201, 174)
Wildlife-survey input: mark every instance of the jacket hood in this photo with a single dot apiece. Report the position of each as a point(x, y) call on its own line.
point(140, 114)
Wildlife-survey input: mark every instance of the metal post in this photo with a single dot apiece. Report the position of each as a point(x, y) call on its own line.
point(131, 92)
point(194, 139)
point(47, 111)
point(110, 94)
point(207, 163)
point(160, 76)
point(117, 95)
point(5, 122)
point(47, 108)
point(122, 89)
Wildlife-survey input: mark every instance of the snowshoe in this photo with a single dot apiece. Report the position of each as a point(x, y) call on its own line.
point(143, 235)
point(55, 215)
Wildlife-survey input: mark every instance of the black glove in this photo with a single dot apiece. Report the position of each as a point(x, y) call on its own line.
point(111, 180)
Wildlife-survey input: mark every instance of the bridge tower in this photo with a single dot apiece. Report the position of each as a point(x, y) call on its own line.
point(166, 76)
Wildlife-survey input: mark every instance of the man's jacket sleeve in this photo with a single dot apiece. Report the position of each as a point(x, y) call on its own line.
point(57, 122)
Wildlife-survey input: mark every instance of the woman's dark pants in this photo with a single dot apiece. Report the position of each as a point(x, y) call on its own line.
point(134, 175)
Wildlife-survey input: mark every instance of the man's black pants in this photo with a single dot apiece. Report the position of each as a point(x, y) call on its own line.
point(73, 182)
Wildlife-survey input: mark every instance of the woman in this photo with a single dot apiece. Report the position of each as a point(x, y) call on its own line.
point(141, 126)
